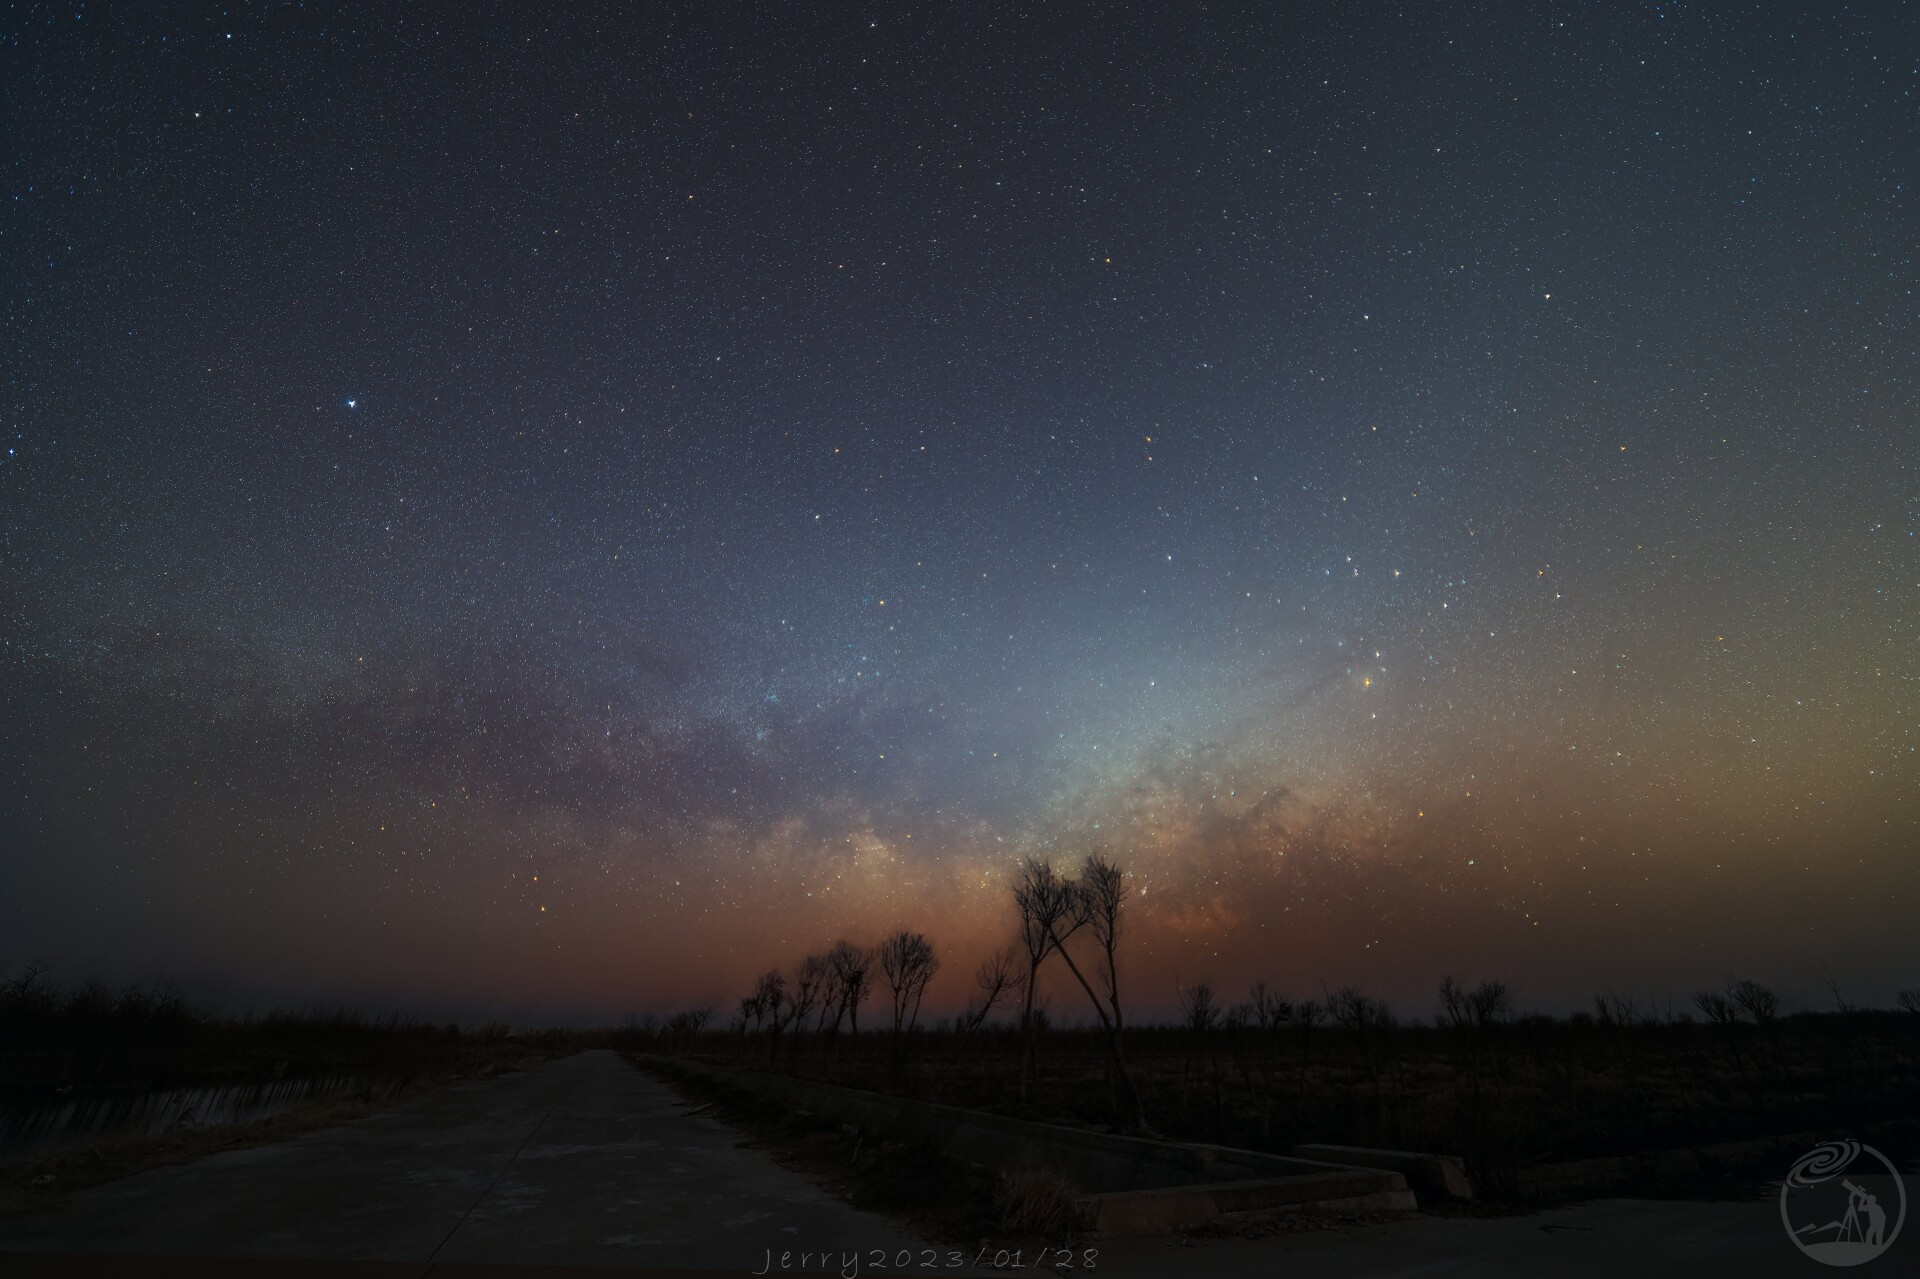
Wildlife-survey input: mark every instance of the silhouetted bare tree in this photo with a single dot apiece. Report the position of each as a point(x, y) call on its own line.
point(997, 976)
point(1841, 1004)
point(1199, 1015)
point(25, 988)
point(852, 969)
point(1271, 1010)
point(1198, 1012)
point(1492, 1003)
point(1717, 1007)
point(685, 1027)
point(1756, 1001)
point(1050, 909)
point(1271, 1013)
point(1307, 1014)
point(743, 1020)
point(1102, 894)
point(811, 978)
point(908, 963)
point(1368, 1020)
point(770, 993)
point(777, 1008)
point(1472, 1014)
point(832, 997)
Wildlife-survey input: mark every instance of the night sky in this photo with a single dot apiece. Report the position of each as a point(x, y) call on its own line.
point(561, 508)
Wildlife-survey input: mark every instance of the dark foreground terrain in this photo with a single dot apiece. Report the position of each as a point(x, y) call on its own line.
point(1519, 1100)
point(580, 1161)
point(588, 1162)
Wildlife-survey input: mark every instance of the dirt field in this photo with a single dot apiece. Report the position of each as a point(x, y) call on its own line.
point(1509, 1098)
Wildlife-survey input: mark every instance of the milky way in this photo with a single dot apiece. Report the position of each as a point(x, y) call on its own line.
point(562, 508)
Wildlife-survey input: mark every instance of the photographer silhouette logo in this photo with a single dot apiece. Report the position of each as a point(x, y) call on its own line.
point(1843, 1203)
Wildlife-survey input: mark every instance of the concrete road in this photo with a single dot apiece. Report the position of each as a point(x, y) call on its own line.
point(580, 1162)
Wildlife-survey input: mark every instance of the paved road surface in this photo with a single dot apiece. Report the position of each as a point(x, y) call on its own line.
point(581, 1161)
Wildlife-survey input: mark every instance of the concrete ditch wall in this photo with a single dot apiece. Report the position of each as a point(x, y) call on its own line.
point(1156, 1212)
point(1434, 1176)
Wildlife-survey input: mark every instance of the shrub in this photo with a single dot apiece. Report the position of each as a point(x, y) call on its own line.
point(1037, 1201)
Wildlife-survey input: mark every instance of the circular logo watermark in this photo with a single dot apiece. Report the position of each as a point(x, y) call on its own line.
point(1843, 1203)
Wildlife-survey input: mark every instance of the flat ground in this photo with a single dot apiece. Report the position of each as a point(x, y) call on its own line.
point(582, 1161)
point(587, 1162)
point(1646, 1239)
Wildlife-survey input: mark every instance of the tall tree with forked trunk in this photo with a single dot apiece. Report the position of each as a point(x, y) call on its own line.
point(908, 963)
point(1050, 909)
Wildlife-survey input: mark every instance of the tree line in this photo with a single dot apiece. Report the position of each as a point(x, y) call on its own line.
point(1077, 920)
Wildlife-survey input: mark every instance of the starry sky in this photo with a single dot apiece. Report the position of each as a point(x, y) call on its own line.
point(558, 507)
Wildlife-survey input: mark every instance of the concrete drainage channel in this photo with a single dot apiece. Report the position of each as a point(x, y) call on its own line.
point(1128, 1185)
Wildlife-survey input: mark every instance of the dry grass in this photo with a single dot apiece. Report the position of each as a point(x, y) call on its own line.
point(35, 1184)
point(41, 1182)
point(936, 1197)
point(1036, 1201)
point(1531, 1091)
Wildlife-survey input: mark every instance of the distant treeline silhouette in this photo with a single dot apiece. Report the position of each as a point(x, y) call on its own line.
point(1476, 1077)
point(93, 1038)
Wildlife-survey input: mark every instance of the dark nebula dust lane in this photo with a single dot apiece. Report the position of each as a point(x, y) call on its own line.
point(561, 506)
